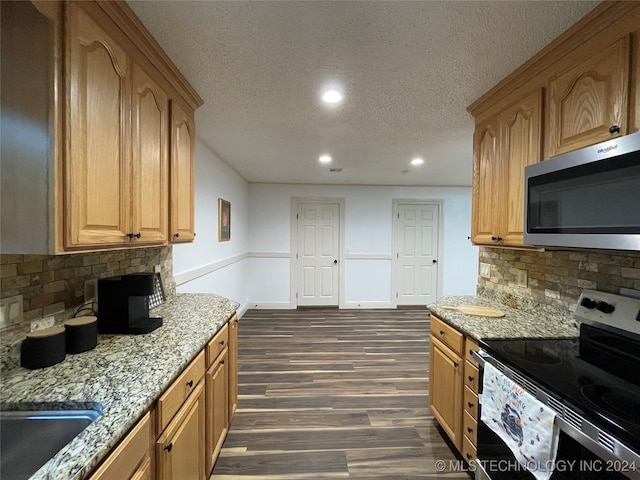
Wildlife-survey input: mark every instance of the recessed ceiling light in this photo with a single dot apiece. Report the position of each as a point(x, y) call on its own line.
point(417, 161)
point(332, 96)
point(325, 159)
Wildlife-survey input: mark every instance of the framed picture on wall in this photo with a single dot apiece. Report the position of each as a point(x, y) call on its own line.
point(224, 220)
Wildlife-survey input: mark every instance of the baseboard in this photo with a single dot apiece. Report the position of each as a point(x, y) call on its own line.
point(355, 305)
point(270, 306)
point(242, 310)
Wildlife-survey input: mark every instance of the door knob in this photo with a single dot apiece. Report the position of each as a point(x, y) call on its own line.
point(434, 261)
point(335, 262)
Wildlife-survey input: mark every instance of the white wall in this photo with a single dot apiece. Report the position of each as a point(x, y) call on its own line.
point(206, 265)
point(368, 240)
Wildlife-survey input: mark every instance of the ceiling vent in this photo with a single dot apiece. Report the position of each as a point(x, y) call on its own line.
point(335, 170)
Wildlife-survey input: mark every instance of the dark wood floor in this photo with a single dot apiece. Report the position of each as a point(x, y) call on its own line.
point(333, 394)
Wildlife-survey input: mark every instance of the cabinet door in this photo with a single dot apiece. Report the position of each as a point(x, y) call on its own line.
point(487, 183)
point(217, 398)
point(588, 100)
point(182, 178)
point(180, 449)
point(233, 365)
point(445, 389)
point(97, 165)
point(150, 159)
point(521, 140)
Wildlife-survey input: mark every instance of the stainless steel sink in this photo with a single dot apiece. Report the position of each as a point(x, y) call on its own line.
point(28, 439)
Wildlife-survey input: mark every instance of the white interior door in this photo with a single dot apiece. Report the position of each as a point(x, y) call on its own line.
point(417, 234)
point(318, 253)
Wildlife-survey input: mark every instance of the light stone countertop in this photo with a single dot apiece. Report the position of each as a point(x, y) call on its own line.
point(124, 374)
point(528, 321)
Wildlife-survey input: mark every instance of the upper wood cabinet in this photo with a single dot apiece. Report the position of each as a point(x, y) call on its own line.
point(97, 163)
point(150, 158)
point(117, 175)
point(503, 146)
point(100, 90)
point(590, 102)
point(182, 174)
point(581, 89)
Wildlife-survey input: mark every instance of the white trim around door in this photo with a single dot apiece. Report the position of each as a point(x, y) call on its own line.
point(396, 281)
point(295, 248)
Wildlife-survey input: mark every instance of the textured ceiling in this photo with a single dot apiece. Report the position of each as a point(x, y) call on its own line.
point(408, 71)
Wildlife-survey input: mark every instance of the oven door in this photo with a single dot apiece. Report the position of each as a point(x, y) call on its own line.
point(574, 461)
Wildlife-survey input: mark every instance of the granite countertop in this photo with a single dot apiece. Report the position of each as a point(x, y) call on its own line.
point(528, 321)
point(124, 375)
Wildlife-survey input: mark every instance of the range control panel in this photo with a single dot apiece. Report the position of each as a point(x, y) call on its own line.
point(606, 308)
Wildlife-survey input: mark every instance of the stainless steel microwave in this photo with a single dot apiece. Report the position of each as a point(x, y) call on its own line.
point(588, 198)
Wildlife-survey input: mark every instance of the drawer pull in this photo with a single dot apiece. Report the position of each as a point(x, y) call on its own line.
point(190, 383)
point(470, 378)
point(455, 364)
point(168, 447)
point(441, 332)
point(470, 404)
point(469, 456)
point(469, 430)
point(221, 362)
point(222, 342)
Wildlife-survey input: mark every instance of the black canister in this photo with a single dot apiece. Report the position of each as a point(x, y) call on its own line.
point(43, 348)
point(82, 334)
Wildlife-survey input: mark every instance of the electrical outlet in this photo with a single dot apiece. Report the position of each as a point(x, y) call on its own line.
point(10, 311)
point(522, 278)
point(42, 323)
point(485, 270)
point(91, 290)
point(157, 269)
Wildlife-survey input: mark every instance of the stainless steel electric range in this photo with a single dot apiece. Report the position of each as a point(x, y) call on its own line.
point(592, 383)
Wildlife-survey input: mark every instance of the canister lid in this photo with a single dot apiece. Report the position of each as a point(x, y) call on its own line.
point(46, 332)
point(75, 322)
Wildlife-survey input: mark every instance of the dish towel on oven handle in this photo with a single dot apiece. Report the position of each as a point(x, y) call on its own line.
point(525, 424)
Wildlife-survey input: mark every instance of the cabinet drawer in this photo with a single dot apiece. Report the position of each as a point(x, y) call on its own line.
point(124, 461)
point(471, 377)
point(468, 450)
point(471, 345)
point(470, 427)
point(217, 344)
point(470, 402)
point(173, 398)
point(447, 335)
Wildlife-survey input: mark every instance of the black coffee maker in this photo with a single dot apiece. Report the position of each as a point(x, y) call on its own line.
point(123, 304)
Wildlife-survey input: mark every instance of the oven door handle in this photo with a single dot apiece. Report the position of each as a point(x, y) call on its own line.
point(480, 357)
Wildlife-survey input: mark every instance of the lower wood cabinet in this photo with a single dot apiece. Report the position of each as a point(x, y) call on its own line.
point(180, 449)
point(233, 365)
point(131, 459)
point(181, 436)
point(453, 385)
point(217, 396)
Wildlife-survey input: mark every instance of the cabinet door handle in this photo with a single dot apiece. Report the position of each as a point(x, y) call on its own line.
point(614, 129)
point(176, 235)
point(222, 342)
point(470, 404)
point(130, 235)
point(470, 378)
point(469, 429)
point(168, 447)
point(496, 238)
point(190, 383)
point(441, 332)
point(469, 456)
point(455, 364)
point(137, 235)
point(221, 362)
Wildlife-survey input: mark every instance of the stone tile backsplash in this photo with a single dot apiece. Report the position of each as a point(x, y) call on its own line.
point(51, 284)
point(556, 277)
